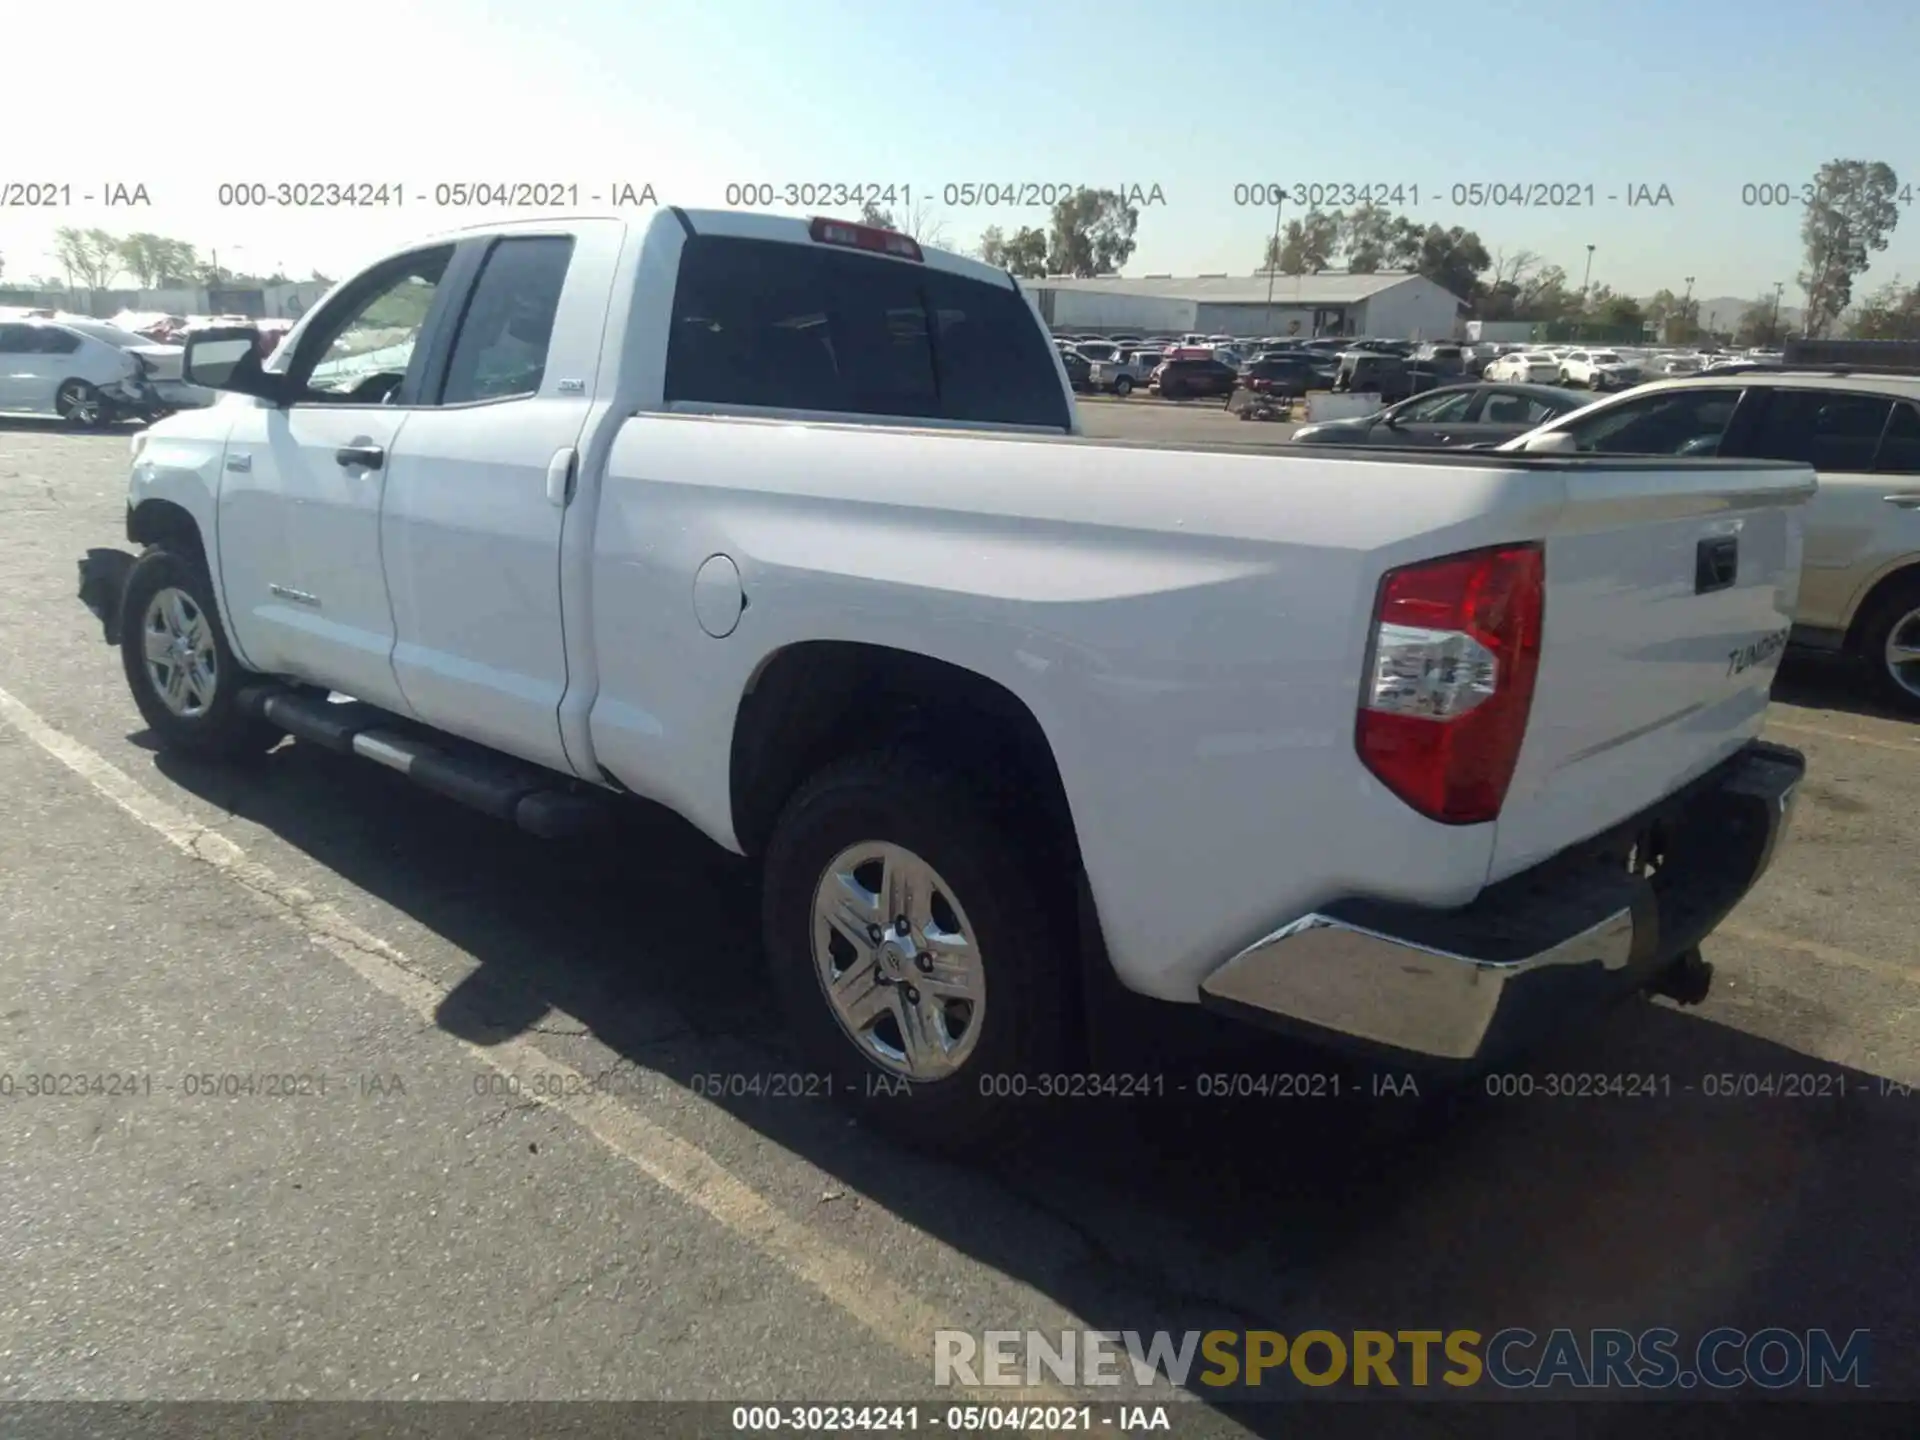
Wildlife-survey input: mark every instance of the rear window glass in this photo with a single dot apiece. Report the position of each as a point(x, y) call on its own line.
point(809, 327)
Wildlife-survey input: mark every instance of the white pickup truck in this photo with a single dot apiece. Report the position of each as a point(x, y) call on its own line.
point(786, 525)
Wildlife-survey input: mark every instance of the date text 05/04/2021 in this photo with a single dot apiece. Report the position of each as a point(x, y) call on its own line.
point(892, 1419)
point(1512, 194)
point(959, 194)
point(380, 194)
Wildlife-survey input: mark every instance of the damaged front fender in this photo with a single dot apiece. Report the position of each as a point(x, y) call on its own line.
point(103, 580)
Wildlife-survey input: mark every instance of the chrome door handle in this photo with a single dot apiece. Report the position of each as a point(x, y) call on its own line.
point(560, 477)
point(371, 456)
point(240, 464)
point(1906, 500)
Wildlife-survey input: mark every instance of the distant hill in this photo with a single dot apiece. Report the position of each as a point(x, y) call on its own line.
point(1723, 312)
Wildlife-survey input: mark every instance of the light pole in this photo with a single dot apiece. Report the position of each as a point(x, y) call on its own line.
point(1585, 276)
point(1273, 257)
point(1686, 311)
point(1773, 327)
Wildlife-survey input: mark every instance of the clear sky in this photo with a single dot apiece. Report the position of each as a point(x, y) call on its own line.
point(1701, 96)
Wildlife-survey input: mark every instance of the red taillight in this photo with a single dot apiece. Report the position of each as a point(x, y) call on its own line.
point(1449, 682)
point(865, 237)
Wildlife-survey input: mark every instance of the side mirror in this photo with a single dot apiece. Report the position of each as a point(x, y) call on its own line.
point(1554, 442)
point(229, 359)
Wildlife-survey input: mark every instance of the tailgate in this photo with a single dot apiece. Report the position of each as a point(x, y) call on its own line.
point(1670, 590)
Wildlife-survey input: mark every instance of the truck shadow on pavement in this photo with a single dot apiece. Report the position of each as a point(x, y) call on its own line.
point(1682, 1208)
point(1833, 682)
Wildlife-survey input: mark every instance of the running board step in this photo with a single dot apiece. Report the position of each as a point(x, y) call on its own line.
point(493, 784)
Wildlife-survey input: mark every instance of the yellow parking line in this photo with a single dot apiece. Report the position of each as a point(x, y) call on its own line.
point(1831, 954)
point(899, 1317)
point(1902, 747)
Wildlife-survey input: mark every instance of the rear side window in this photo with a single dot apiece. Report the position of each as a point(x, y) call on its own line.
point(1900, 446)
point(1672, 422)
point(807, 327)
point(1826, 429)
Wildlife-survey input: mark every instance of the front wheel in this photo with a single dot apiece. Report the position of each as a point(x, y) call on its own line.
point(178, 664)
point(1123, 387)
point(920, 952)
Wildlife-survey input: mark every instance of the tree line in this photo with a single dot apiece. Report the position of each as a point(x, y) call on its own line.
point(1850, 213)
point(93, 259)
point(1851, 210)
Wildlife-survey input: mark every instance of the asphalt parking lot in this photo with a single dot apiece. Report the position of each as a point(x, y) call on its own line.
point(428, 1228)
point(1149, 418)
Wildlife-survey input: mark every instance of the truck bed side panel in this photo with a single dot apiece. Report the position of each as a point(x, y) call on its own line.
point(1193, 656)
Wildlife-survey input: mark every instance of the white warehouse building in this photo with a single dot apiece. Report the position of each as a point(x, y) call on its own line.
point(1389, 303)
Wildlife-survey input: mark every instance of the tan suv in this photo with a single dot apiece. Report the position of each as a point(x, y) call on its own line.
point(1860, 576)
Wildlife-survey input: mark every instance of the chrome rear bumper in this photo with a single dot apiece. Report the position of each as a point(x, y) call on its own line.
point(1481, 983)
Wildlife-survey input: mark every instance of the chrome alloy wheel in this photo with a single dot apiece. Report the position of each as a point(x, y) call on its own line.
point(182, 663)
point(1902, 656)
point(897, 960)
point(79, 403)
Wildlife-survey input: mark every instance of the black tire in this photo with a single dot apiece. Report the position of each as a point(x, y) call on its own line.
point(219, 728)
point(1022, 937)
point(1898, 604)
point(1123, 387)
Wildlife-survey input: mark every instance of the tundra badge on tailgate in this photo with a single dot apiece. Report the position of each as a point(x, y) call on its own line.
point(1760, 650)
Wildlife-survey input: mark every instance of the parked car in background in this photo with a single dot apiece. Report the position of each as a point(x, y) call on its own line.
point(1391, 377)
point(1079, 368)
point(1183, 378)
point(1122, 372)
point(1450, 417)
point(161, 361)
point(1479, 356)
point(1598, 370)
point(1859, 589)
point(1287, 373)
point(84, 372)
point(1445, 357)
point(1529, 367)
point(1681, 364)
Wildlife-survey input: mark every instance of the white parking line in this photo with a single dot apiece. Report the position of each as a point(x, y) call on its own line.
point(895, 1315)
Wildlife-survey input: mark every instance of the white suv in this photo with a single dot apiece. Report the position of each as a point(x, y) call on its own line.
point(1598, 370)
point(1860, 578)
point(1532, 367)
